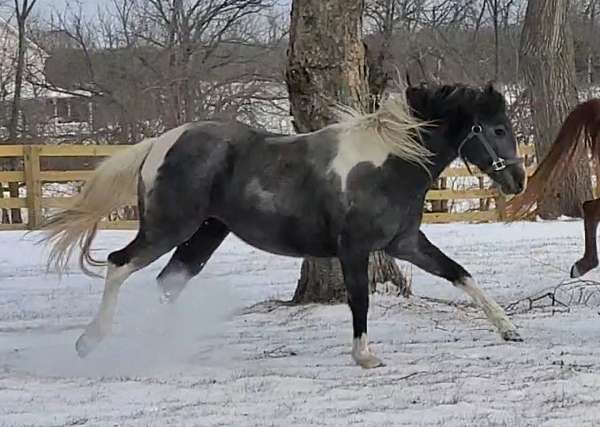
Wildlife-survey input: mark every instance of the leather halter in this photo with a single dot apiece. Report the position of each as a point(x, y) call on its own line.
point(498, 163)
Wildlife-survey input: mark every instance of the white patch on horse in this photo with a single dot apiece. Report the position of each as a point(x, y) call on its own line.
point(174, 281)
point(362, 355)
point(493, 311)
point(354, 149)
point(266, 198)
point(160, 147)
point(101, 326)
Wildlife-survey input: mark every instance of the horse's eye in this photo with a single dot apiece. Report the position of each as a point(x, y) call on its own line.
point(500, 132)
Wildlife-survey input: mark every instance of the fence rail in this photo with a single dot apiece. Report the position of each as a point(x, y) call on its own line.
point(33, 203)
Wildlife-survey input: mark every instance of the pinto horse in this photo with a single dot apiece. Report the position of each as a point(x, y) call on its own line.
point(582, 126)
point(344, 191)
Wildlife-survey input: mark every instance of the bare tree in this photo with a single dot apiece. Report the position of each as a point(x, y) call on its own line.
point(153, 65)
point(442, 40)
point(193, 28)
point(326, 61)
point(7, 79)
point(585, 14)
point(548, 64)
point(23, 10)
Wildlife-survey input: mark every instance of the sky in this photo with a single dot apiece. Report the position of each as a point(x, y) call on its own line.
point(44, 8)
point(87, 5)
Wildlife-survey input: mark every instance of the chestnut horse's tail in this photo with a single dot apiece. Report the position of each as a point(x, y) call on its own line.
point(582, 125)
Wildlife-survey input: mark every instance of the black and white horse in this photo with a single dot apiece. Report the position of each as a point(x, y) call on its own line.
point(343, 191)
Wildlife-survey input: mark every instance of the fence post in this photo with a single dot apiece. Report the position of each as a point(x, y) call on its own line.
point(501, 206)
point(31, 157)
point(482, 202)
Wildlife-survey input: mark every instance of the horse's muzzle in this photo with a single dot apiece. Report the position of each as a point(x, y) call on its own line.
point(511, 180)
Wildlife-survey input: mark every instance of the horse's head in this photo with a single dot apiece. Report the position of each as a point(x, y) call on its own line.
point(475, 123)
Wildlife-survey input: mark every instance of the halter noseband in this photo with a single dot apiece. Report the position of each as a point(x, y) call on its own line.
point(498, 163)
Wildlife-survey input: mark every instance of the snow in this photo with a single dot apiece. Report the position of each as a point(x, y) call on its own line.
point(217, 358)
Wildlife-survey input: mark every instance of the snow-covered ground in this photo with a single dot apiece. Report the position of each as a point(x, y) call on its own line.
point(216, 359)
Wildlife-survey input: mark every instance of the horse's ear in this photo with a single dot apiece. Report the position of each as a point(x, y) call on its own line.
point(490, 87)
point(416, 96)
point(495, 97)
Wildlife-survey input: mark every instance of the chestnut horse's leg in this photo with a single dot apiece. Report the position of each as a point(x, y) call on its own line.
point(591, 215)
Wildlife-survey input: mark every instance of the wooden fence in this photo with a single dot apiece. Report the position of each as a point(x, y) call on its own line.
point(33, 177)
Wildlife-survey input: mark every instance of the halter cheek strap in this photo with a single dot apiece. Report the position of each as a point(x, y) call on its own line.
point(497, 163)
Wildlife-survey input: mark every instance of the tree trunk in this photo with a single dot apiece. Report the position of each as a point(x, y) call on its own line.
point(591, 42)
point(174, 119)
point(326, 62)
point(22, 12)
point(548, 63)
point(16, 103)
point(13, 187)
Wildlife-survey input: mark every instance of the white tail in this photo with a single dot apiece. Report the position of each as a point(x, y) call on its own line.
point(113, 184)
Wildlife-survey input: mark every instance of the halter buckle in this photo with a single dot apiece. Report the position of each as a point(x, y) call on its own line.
point(499, 164)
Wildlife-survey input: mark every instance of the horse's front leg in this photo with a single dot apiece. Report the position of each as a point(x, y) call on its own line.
point(591, 217)
point(421, 252)
point(355, 266)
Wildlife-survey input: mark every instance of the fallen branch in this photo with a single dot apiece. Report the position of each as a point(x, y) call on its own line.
point(560, 297)
point(277, 353)
point(266, 306)
point(455, 304)
point(554, 302)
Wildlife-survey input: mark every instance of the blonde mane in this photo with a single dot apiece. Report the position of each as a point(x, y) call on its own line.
point(391, 126)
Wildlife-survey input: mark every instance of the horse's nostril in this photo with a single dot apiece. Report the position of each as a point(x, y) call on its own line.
point(519, 187)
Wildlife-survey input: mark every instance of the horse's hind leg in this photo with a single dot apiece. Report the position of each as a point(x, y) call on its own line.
point(121, 264)
point(591, 215)
point(190, 258)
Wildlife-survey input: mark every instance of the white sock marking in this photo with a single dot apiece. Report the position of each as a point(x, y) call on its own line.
point(493, 311)
point(362, 355)
point(115, 276)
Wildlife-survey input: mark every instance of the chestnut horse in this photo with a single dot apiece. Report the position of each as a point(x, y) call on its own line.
point(582, 126)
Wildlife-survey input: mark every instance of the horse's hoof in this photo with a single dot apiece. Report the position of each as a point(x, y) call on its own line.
point(85, 344)
point(166, 298)
point(169, 296)
point(575, 273)
point(511, 335)
point(582, 267)
point(368, 361)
